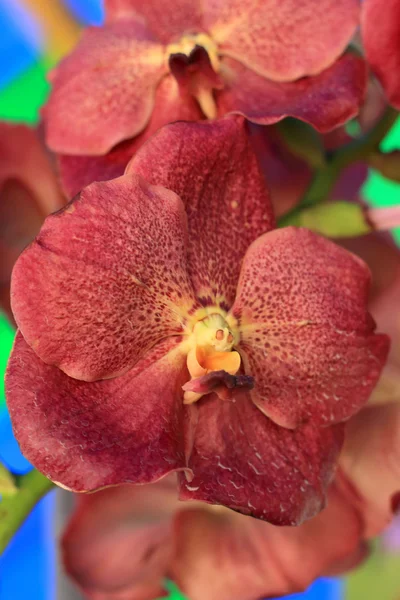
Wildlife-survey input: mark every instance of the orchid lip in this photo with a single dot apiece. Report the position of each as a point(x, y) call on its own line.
point(210, 348)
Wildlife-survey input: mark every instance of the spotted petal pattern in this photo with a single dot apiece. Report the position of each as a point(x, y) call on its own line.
point(105, 279)
point(104, 91)
point(307, 338)
point(213, 168)
point(282, 40)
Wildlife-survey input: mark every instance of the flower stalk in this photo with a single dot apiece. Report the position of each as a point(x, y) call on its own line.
point(14, 508)
point(326, 176)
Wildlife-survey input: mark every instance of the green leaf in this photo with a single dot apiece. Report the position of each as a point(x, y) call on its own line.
point(334, 220)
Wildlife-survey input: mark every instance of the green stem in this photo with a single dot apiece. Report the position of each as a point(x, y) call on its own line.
point(16, 507)
point(326, 176)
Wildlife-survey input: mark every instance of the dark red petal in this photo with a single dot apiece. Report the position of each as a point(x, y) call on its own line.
point(213, 168)
point(282, 40)
point(170, 105)
point(119, 540)
point(242, 460)
point(226, 556)
point(324, 101)
point(105, 279)
point(288, 176)
point(104, 91)
point(86, 436)
point(381, 39)
point(370, 460)
point(167, 22)
point(307, 338)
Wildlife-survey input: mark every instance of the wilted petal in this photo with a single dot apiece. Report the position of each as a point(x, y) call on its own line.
point(226, 556)
point(371, 461)
point(213, 168)
point(325, 101)
point(119, 541)
point(381, 38)
point(282, 40)
point(86, 436)
point(166, 22)
point(171, 104)
point(307, 338)
point(104, 91)
point(242, 460)
point(105, 279)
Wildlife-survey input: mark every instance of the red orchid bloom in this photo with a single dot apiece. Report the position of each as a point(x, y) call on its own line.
point(28, 193)
point(123, 542)
point(134, 292)
point(152, 64)
point(381, 39)
point(218, 554)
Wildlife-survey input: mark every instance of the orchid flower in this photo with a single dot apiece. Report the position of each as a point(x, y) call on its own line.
point(152, 63)
point(165, 326)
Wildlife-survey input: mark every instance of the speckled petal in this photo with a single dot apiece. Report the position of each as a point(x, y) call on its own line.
point(370, 460)
point(213, 168)
point(282, 40)
point(104, 91)
point(307, 338)
point(381, 39)
point(118, 543)
point(105, 279)
point(167, 23)
point(170, 105)
point(86, 436)
point(242, 460)
point(226, 556)
point(324, 101)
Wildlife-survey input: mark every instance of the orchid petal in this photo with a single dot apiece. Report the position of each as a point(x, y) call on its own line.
point(170, 105)
point(242, 460)
point(282, 40)
point(307, 338)
point(165, 22)
point(213, 168)
point(119, 544)
point(226, 556)
point(105, 279)
point(370, 460)
point(86, 436)
point(324, 101)
point(104, 91)
point(28, 192)
point(381, 39)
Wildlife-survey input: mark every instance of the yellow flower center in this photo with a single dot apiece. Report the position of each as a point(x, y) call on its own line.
point(211, 349)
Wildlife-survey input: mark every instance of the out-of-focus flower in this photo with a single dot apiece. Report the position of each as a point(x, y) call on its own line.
point(28, 193)
point(134, 292)
point(381, 39)
point(123, 542)
point(153, 63)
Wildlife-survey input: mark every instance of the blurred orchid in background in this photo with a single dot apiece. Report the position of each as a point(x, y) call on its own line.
point(151, 64)
point(28, 193)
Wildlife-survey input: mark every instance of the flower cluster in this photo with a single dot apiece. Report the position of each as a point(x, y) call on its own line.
point(170, 334)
